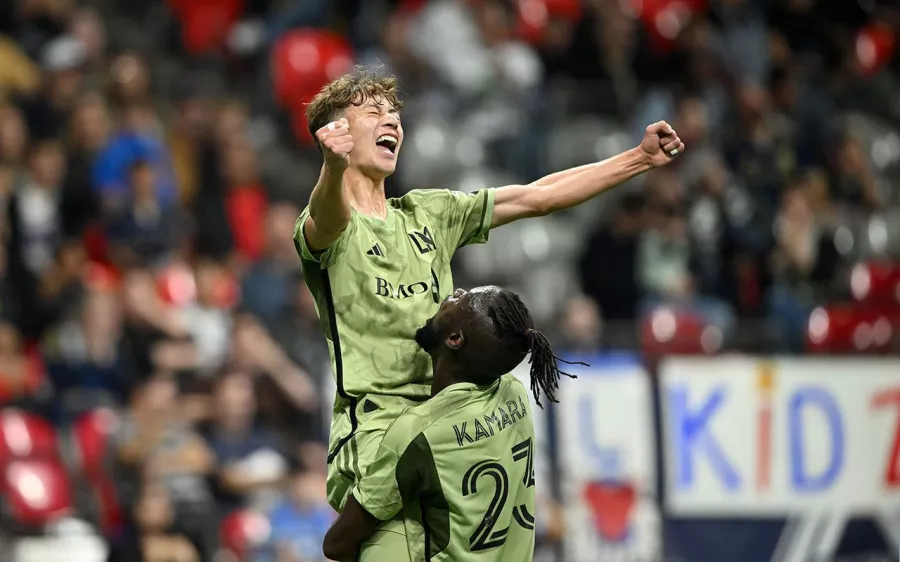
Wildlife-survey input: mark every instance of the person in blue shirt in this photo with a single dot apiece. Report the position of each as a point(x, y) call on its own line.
point(299, 522)
point(135, 143)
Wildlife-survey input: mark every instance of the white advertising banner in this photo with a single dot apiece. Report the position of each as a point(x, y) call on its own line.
point(607, 461)
point(814, 440)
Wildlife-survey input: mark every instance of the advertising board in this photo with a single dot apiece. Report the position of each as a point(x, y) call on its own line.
point(607, 462)
point(813, 442)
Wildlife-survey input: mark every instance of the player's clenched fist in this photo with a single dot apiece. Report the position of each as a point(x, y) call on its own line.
point(661, 144)
point(336, 142)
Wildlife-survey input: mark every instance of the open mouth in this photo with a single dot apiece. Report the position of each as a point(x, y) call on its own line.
point(387, 143)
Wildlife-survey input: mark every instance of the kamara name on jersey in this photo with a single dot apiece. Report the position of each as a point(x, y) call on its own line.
point(485, 426)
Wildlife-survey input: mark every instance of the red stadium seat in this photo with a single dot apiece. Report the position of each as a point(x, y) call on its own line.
point(36, 492)
point(96, 243)
point(876, 283)
point(304, 60)
point(411, 6)
point(205, 24)
point(665, 19)
point(535, 15)
point(243, 530)
point(850, 328)
point(92, 434)
point(875, 46)
point(26, 436)
point(667, 331)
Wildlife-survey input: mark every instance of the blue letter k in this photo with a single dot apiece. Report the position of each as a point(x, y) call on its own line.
point(690, 433)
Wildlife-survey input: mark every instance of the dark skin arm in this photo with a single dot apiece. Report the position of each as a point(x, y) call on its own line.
point(352, 527)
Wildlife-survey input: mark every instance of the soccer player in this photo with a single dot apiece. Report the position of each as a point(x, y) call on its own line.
point(378, 267)
point(458, 468)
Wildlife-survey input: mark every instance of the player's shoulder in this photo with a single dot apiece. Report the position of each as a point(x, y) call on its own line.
point(350, 233)
point(404, 430)
point(512, 385)
point(418, 420)
point(417, 198)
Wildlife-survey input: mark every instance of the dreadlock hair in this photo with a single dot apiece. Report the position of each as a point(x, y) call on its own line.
point(514, 322)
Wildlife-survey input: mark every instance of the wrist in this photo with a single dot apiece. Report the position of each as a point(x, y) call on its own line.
point(639, 159)
point(335, 165)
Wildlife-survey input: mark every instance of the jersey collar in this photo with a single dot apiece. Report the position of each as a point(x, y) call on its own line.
point(469, 386)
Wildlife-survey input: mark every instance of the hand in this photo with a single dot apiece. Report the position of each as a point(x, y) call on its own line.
point(336, 142)
point(661, 144)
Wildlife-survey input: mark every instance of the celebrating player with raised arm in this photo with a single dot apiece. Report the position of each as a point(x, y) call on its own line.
point(459, 469)
point(378, 267)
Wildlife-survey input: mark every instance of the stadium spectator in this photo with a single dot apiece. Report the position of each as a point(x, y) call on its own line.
point(614, 248)
point(159, 447)
point(268, 286)
point(13, 140)
point(155, 536)
point(300, 520)
point(251, 463)
point(145, 231)
point(85, 357)
point(804, 263)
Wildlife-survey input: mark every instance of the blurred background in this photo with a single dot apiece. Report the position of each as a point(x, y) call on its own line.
point(165, 391)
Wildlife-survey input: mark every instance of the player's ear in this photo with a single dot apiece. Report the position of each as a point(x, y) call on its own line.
point(456, 340)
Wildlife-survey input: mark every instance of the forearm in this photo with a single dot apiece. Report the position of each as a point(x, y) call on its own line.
point(353, 526)
point(568, 173)
point(328, 204)
point(565, 189)
point(570, 188)
point(294, 382)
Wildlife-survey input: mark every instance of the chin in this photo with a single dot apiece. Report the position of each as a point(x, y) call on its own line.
point(427, 337)
point(378, 170)
point(386, 171)
point(386, 166)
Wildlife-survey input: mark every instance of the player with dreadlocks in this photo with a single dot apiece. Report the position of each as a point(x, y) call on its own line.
point(458, 470)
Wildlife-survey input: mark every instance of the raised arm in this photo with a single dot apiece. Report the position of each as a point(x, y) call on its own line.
point(566, 189)
point(329, 210)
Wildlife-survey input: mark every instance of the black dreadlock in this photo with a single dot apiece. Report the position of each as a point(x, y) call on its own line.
point(512, 317)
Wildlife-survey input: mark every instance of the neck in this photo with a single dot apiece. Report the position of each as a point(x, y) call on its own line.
point(446, 373)
point(366, 194)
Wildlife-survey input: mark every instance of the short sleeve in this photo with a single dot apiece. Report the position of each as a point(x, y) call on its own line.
point(329, 256)
point(391, 476)
point(378, 491)
point(468, 217)
point(459, 218)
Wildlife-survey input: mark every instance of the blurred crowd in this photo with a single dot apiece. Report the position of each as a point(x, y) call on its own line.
point(154, 158)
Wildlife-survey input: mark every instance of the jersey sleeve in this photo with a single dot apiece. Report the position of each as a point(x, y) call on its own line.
point(461, 218)
point(330, 255)
point(391, 476)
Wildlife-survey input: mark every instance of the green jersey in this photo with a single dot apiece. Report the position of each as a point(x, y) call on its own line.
point(459, 470)
point(374, 287)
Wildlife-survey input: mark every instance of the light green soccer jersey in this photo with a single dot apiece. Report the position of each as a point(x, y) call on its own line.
point(459, 470)
point(374, 287)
